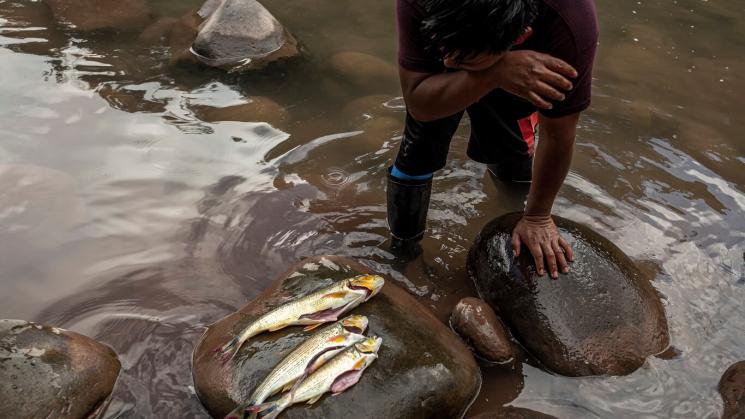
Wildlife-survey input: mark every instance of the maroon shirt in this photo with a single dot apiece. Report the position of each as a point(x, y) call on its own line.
point(565, 29)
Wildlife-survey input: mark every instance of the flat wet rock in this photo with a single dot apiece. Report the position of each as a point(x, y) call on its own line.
point(49, 372)
point(424, 370)
point(242, 33)
point(603, 318)
point(259, 109)
point(475, 320)
point(732, 389)
point(90, 15)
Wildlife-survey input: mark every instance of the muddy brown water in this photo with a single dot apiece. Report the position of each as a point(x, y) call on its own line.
point(126, 217)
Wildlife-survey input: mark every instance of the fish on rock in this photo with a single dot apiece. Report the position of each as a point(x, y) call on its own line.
point(305, 359)
point(335, 376)
point(322, 306)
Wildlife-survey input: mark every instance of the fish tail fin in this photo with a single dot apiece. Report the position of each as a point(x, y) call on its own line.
point(228, 351)
point(270, 410)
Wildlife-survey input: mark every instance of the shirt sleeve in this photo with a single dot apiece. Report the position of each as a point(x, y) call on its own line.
point(577, 47)
point(412, 47)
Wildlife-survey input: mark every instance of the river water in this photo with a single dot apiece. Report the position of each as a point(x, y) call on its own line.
point(135, 211)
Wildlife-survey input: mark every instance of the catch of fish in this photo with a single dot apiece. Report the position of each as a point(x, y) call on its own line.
point(329, 361)
point(323, 306)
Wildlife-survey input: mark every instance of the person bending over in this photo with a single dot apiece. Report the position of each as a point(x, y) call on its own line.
point(514, 66)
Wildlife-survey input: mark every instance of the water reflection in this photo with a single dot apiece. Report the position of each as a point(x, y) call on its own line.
point(143, 199)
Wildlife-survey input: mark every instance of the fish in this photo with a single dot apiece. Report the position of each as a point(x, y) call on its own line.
point(312, 310)
point(335, 376)
point(304, 360)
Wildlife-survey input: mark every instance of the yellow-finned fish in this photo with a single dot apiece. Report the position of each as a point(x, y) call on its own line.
point(335, 376)
point(304, 360)
point(323, 306)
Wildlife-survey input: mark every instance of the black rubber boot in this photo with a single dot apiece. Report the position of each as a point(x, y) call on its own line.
point(520, 171)
point(408, 203)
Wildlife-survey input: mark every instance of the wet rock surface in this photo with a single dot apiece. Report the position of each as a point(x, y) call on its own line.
point(424, 369)
point(363, 69)
point(603, 318)
point(476, 321)
point(242, 33)
point(49, 372)
point(509, 412)
point(90, 15)
point(732, 389)
point(259, 109)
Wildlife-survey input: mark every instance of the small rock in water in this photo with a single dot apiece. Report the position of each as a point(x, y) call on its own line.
point(364, 69)
point(91, 15)
point(242, 33)
point(732, 389)
point(259, 109)
point(56, 373)
point(423, 371)
point(475, 320)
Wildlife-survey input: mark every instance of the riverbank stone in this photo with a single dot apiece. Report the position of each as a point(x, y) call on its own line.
point(732, 389)
point(91, 15)
point(475, 321)
point(243, 34)
point(424, 369)
point(602, 318)
point(50, 372)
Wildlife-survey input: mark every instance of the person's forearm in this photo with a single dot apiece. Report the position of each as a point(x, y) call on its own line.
point(551, 164)
point(442, 95)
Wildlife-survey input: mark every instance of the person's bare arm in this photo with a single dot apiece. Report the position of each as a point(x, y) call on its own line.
point(550, 167)
point(536, 77)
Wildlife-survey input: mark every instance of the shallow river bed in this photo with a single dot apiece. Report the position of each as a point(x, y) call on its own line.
point(134, 212)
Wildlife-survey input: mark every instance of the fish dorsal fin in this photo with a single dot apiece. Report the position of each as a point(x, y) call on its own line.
point(311, 327)
point(336, 295)
point(315, 399)
point(337, 339)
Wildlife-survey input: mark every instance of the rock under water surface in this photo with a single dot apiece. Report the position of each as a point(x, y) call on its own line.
point(602, 318)
point(732, 389)
point(49, 372)
point(424, 369)
point(90, 15)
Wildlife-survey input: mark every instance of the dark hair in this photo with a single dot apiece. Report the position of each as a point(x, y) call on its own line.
point(463, 28)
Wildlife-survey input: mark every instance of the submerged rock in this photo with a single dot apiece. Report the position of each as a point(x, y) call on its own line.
point(732, 389)
point(364, 69)
point(476, 321)
point(49, 372)
point(259, 109)
point(509, 412)
point(603, 317)
point(90, 15)
point(424, 370)
point(242, 34)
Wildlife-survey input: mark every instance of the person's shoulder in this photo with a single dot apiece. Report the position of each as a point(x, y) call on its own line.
point(580, 16)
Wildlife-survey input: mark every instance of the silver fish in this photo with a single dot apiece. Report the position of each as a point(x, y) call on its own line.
point(303, 360)
point(323, 306)
point(335, 376)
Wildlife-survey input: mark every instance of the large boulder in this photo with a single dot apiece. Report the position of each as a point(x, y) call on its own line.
point(90, 15)
point(424, 369)
point(242, 34)
point(602, 318)
point(732, 389)
point(49, 372)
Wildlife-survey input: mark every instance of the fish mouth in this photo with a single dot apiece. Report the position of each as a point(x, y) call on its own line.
point(370, 284)
point(355, 324)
